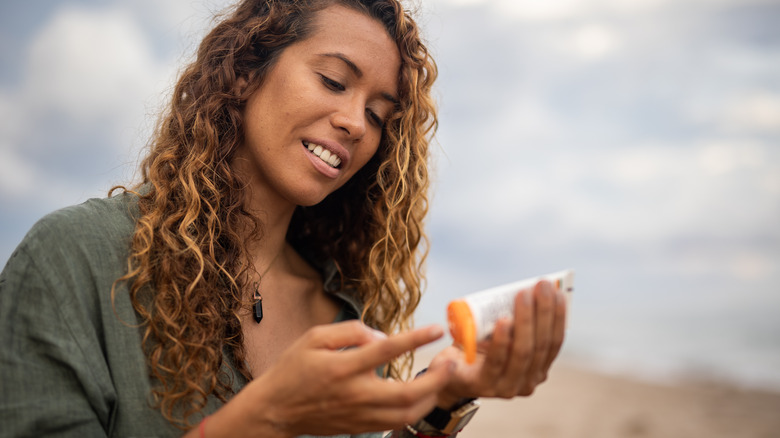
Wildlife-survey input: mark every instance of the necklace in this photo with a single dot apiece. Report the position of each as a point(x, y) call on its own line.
point(257, 307)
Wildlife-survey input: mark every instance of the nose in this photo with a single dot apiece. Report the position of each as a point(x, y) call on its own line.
point(351, 119)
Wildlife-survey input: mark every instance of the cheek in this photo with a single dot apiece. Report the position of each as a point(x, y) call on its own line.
point(365, 154)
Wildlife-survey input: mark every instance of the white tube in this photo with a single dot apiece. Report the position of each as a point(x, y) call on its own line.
point(473, 318)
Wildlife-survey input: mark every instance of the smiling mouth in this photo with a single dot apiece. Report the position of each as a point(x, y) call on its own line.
point(323, 154)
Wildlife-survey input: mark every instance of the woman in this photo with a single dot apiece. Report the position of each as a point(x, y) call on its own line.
point(264, 273)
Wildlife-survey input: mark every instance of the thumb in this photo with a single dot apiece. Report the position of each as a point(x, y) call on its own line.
point(448, 355)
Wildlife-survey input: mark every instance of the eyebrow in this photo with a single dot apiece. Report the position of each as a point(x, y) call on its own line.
point(358, 72)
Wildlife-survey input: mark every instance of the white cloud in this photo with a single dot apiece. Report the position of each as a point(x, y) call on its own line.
point(549, 155)
point(771, 183)
point(594, 41)
point(528, 9)
point(89, 64)
point(713, 187)
point(184, 21)
point(90, 79)
point(558, 154)
point(552, 10)
point(533, 9)
point(719, 157)
point(523, 9)
point(640, 196)
point(17, 175)
point(175, 14)
point(748, 265)
point(753, 112)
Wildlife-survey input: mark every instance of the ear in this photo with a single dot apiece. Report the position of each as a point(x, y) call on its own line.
point(241, 83)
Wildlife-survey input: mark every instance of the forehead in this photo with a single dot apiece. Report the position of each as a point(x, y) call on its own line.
point(359, 37)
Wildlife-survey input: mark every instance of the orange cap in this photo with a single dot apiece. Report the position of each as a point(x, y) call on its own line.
point(462, 328)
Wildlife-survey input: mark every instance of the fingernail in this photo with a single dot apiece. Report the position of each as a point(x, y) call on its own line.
point(378, 335)
point(451, 366)
point(436, 331)
point(527, 297)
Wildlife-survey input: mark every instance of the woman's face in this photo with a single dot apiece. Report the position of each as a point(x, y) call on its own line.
point(318, 116)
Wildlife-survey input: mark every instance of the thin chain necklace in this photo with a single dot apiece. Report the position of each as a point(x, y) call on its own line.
point(257, 307)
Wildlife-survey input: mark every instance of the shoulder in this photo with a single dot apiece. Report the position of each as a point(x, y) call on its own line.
point(67, 343)
point(90, 230)
point(95, 219)
point(70, 260)
point(83, 241)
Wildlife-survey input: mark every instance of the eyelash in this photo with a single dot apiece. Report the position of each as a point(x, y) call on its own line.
point(336, 86)
point(333, 85)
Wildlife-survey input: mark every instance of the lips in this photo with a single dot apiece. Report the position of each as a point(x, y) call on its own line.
point(323, 153)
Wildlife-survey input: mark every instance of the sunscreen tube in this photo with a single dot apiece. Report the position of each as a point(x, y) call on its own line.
point(473, 318)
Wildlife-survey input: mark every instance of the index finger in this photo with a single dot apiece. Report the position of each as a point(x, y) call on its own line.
point(374, 354)
point(341, 335)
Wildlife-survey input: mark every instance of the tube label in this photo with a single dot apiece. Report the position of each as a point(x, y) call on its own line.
point(490, 305)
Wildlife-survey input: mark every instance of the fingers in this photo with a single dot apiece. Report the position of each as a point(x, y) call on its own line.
point(388, 404)
point(406, 394)
point(338, 391)
point(341, 335)
point(372, 417)
point(521, 351)
point(544, 312)
point(376, 347)
point(497, 352)
point(559, 328)
point(374, 354)
point(536, 339)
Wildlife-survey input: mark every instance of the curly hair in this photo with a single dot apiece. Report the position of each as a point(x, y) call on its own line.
point(188, 264)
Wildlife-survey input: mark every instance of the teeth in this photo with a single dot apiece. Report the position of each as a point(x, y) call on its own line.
point(325, 155)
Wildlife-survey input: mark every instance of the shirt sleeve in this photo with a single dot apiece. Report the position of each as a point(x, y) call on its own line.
point(50, 386)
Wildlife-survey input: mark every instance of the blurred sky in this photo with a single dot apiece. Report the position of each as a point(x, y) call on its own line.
point(637, 142)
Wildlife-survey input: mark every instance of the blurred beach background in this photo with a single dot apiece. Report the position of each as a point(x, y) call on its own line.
point(636, 142)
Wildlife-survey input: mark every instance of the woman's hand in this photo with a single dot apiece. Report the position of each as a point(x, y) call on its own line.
point(318, 387)
point(517, 357)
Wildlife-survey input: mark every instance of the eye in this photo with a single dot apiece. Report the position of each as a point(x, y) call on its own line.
point(375, 118)
point(330, 83)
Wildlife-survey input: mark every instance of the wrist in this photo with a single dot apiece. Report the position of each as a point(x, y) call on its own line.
point(447, 400)
point(267, 420)
point(452, 412)
point(243, 416)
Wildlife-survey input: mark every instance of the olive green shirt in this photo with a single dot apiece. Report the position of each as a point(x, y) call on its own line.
point(71, 360)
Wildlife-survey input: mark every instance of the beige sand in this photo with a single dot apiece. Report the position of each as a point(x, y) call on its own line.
point(580, 404)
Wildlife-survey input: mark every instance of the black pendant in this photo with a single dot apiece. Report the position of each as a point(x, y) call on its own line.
point(257, 309)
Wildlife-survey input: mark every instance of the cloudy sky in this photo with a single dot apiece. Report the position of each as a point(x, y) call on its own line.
point(635, 142)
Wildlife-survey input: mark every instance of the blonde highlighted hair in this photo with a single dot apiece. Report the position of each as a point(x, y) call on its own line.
point(188, 265)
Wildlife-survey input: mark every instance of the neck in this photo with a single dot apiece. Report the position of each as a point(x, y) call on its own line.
point(274, 213)
point(272, 239)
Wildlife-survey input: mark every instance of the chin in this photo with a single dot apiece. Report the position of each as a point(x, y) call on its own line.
point(310, 203)
point(309, 199)
point(314, 194)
